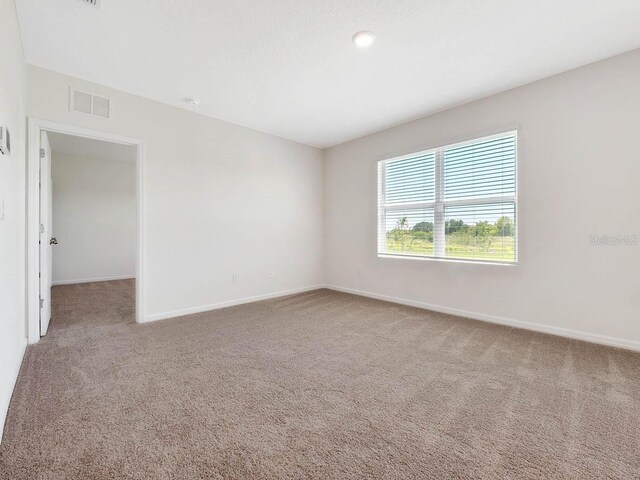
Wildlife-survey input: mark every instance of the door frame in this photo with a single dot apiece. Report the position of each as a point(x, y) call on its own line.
point(46, 234)
point(35, 126)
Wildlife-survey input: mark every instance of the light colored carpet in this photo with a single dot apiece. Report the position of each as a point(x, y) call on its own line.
point(317, 385)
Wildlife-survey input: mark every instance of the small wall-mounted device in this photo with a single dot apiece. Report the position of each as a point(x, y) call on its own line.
point(5, 141)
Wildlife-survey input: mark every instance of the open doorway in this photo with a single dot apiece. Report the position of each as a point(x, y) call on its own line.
point(85, 222)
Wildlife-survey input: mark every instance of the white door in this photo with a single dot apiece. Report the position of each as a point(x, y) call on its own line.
point(46, 235)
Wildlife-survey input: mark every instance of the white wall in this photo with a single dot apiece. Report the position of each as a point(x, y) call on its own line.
point(12, 196)
point(94, 218)
point(219, 199)
point(579, 168)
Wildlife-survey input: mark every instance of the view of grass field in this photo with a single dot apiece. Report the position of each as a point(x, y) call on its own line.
point(482, 241)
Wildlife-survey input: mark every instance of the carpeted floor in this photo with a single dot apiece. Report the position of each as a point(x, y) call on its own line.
point(316, 385)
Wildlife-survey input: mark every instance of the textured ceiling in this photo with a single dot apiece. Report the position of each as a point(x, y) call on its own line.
point(90, 148)
point(288, 67)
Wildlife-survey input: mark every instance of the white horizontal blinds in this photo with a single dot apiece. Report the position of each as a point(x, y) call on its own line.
point(479, 199)
point(407, 194)
point(457, 201)
point(480, 170)
point(410, 180)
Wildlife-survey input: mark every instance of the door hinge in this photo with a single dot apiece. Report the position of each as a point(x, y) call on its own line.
point(41, 228)
point(42, 153)
point(41, 302)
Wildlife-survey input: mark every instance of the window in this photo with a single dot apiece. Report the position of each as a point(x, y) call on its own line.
point(453, 202)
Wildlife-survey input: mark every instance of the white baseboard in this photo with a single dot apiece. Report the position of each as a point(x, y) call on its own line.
point(229, 303)
point(8, 393)
point(90, 280)
point(536, 327)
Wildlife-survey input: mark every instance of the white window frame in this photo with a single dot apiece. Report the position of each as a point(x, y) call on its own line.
point(439, 204)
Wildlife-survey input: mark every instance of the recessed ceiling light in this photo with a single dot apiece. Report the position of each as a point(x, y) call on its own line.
point(191, 101)
point(363, 39)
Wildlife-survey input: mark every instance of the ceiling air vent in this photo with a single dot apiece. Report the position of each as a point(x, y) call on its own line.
point(84, 102)
point(93, 3)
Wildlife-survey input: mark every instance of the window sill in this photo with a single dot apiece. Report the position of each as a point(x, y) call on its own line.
point(447, 260)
